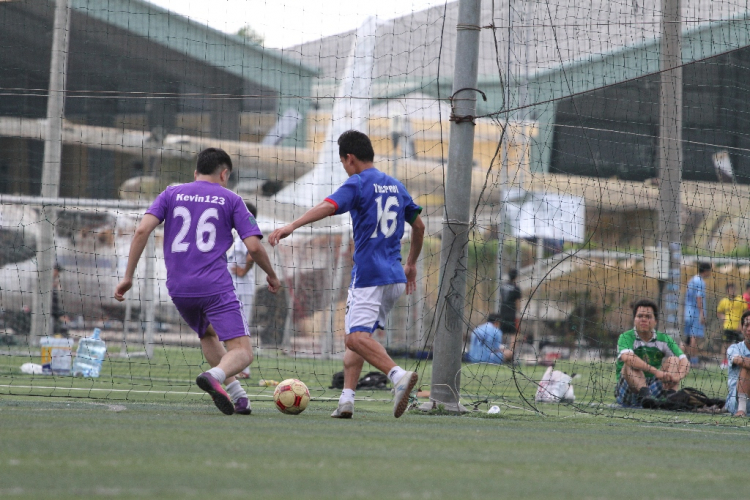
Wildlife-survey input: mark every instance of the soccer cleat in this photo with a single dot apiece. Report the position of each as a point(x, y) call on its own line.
point(242, 407)
point(212, 386)
point(402, 392)
point(244, 373)
point(345, 410)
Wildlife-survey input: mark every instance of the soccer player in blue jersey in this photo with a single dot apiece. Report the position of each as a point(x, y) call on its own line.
point(695, 311)
point(198, 221)
point(379, 206)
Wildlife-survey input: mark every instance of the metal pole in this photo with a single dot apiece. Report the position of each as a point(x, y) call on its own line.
point(41, 318)
point(446, 373)
point(670, 157)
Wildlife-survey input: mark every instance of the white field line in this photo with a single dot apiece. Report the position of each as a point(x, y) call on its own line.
point(270, 396)
point(704, 431)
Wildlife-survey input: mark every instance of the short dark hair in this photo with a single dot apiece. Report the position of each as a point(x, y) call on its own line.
point(747, 285)
point(211, 160)
point(646, 303)
point(354, 142)
point(730, 285)
point(251, 208)
point(494, 318)
point(512, 274)
point(744, 315)
point(703, 267)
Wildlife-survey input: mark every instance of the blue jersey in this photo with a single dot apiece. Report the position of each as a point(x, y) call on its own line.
point(379, 206)
point(735, 350)
point(696, 288)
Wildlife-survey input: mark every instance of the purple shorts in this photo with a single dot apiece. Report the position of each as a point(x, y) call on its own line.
point(223, 311)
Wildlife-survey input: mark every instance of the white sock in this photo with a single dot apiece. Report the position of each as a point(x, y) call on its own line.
point(236, 391)
point(395, 374)
point(742, 402)
point(218, 374)
point(347, 396)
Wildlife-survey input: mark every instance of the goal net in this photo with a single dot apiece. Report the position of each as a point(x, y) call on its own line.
point(566, 190)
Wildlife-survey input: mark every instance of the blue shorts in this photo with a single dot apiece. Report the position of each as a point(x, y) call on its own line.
point(628, 398)
point(693, 328)
point(222, 311)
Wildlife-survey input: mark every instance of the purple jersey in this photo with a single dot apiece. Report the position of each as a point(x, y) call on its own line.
point(198, 220)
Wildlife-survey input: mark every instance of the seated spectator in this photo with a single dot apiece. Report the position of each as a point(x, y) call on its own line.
point(650, 364)
point(738, 382)
point(486, 343)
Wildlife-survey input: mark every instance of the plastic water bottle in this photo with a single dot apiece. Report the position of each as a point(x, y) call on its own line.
point(90, 355)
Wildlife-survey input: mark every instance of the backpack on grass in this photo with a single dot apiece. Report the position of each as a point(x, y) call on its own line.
point(686, 399)
point(372, 380)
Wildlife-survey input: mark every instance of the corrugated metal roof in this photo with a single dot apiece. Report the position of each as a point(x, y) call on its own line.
point(421, 45)
point(231, 53)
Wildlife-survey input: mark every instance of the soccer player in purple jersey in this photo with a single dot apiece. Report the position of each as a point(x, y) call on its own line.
point(379, 206)
point(198, 220)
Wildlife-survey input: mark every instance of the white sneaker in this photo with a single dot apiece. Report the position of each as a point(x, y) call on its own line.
point(402, 391)
point(345, 410)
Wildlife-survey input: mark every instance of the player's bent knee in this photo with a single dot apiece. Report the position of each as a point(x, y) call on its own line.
point(241, 343)
point(354, 340)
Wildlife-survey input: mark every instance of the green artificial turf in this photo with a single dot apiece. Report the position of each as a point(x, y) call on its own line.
point(66, 448)
point(143, 430)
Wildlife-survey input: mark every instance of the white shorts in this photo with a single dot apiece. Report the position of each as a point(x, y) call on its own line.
point(367, 308)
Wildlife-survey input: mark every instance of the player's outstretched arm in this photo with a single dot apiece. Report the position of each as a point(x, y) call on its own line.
point(320, 211)
point(140, 239)
point(259, 255)
point(410, 268)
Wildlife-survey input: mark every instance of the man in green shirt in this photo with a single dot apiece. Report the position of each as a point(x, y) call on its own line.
point(649, 363)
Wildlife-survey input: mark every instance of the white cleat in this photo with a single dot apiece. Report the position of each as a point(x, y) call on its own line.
point(345, 410)
point(402, 392)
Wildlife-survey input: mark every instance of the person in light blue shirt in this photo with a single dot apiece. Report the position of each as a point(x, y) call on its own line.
point(695, 310)
point(738, 381)
point(486, 344)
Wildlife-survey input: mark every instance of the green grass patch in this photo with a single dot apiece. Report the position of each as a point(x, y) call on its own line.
point(64, 448)
point(144, 430)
